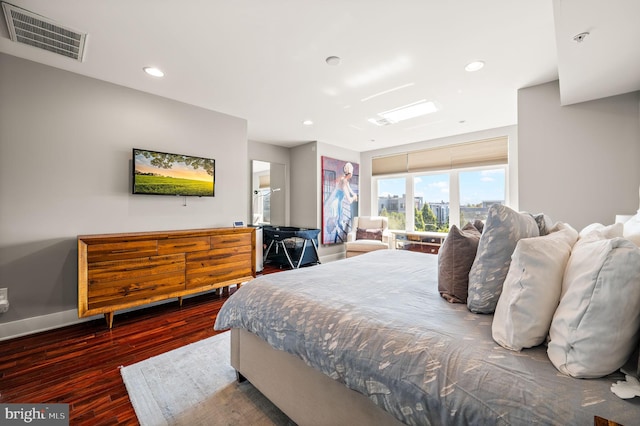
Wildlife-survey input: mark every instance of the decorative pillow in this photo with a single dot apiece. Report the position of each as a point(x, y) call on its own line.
point(599, 231)
point(455, 258)
point(595, 327)
point(631, 229)
point(369, 234)
point(503, 229)
point(544, 223)
point(479, 225)
point(531, 290)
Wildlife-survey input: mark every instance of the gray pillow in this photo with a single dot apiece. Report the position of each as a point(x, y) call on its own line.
point(479, 225)
point(502, 231)
point(544, 223)
point(455, 258)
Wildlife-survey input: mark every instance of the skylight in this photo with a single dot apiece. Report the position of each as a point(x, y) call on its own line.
point(416, 109)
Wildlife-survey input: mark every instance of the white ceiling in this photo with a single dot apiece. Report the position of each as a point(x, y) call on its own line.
point(264, 60)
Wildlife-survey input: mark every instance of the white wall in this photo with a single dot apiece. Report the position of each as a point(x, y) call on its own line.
point(304, 186)
point(65, 154)
point(275, 155)
point(578, 163)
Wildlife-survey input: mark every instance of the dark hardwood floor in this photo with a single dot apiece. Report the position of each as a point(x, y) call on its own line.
point(79, 364)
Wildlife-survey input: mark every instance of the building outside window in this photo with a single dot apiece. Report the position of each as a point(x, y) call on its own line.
point(391, 201)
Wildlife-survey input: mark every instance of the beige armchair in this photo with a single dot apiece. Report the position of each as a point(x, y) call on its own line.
point(368, 225)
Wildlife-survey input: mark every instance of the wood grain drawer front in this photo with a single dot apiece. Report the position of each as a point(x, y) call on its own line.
point(218, 265)
point(121, 250)
point(183, 245)
point(230, 240)
point(119, 282)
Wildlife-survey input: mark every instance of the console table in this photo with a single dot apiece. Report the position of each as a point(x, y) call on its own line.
point(422, 241)
point(119, 271)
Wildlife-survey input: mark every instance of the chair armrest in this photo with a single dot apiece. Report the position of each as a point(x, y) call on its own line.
point(387, 237)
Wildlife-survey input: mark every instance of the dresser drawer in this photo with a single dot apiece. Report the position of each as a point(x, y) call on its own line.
point(123, 281)
point(117, 270)
point(183, 245)
point(218, 265)
point(230, 240)
point(121, 250)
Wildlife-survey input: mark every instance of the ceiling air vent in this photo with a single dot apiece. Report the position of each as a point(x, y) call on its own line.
point(381, 121)
point(35, 30)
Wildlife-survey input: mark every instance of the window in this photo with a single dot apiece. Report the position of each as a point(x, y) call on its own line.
point(391, 201)
point(479, 189)
point(431, 202)
point(440, 199)
point(439, 186)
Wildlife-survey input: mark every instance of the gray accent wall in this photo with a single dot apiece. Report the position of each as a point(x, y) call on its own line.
point(306, 188)
point(65, 159)
point(578, 163)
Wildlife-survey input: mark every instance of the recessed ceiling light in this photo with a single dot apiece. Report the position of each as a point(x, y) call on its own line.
point(333, 60)
point(307, 122)
point(474, 66)
point(406, 112)
point(156, 72)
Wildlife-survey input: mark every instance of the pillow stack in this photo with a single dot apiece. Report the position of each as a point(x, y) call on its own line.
point(595, 328)
point(502, 231)
point(455, 257)
point(532, 288)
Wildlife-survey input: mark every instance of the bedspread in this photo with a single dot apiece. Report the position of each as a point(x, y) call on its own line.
point(376, 323)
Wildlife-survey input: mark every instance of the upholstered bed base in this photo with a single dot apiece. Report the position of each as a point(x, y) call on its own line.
point(307, 396)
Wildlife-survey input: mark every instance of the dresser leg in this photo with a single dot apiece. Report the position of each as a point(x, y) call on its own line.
point(108, 316)
point(180, 301)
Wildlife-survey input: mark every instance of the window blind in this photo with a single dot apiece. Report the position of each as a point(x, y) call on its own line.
point(471, 154)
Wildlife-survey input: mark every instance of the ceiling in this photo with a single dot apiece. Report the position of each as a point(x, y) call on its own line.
point(265, 60)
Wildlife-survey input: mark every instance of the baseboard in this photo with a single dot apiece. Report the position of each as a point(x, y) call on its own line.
point(331, 257)
point(23, 327)
point(26, 326)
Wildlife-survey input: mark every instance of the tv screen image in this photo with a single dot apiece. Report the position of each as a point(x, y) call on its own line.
point(162, 173)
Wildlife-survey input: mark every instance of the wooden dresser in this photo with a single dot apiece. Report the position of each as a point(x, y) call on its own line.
point(119, 271)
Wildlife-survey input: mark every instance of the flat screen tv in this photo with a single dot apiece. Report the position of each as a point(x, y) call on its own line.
point(162, 173)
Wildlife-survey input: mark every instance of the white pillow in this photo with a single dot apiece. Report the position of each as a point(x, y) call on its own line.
point(632, 229)
point(531, 290)
point(595, 327)
point(598, 230)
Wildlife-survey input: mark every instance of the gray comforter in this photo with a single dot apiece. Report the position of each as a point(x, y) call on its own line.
point(377, 324)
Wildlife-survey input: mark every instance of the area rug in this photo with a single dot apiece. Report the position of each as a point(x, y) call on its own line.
point(196, 385)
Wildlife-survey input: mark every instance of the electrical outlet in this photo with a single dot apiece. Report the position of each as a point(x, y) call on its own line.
point(4, 300)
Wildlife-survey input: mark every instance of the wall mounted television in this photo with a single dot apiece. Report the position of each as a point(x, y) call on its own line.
point(163, 173)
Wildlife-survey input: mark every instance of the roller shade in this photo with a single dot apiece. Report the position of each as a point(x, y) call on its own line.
point(264, 181)
point(389, 165)
point(472, 154)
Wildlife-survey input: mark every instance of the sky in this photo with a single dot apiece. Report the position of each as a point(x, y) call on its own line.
point(475, 186)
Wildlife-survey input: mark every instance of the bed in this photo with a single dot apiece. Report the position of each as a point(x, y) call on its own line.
point(369, 340)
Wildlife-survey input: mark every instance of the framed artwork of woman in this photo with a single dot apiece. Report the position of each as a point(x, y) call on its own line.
point(339, 198)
